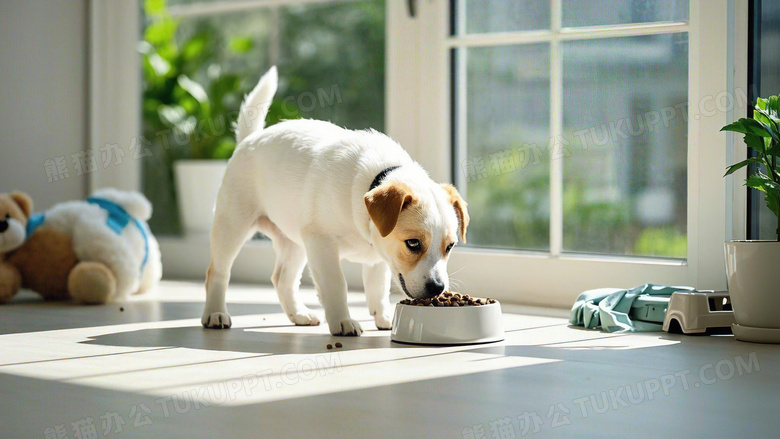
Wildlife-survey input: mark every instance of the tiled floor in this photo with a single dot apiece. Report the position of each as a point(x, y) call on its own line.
point(150, 370)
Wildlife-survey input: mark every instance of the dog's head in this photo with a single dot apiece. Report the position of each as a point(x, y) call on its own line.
point(15, 210)
point(417, 228)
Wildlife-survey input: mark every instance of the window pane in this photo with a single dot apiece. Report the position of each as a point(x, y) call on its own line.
point(767, 76)
point(625, 111)
point(506, 165)
point(486, 16)
point(331, 67)
point(607, 12)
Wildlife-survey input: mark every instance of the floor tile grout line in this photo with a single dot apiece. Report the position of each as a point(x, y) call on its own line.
point(167, 367)
point(343, 366)
point(85, 356)
point(534, 327)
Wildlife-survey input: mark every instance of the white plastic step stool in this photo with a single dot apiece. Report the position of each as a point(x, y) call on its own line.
point(697, 311)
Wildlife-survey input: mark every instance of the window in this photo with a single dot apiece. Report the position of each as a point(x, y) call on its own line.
point(495, 80)
point(541, 104)
point(561, 140)
point(765, 81)
point(330, 55)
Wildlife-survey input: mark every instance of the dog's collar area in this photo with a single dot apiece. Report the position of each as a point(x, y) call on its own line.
point(381, 176)
point(403, 285)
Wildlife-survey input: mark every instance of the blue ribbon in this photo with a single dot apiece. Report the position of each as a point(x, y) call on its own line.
point(117, 220)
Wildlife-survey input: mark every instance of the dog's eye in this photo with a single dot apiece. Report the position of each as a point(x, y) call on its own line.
point(7, 216)
point(449, 247)
point(413, 244)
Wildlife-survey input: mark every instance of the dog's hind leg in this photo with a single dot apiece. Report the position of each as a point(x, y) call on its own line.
point(290, 261)
point(232, 227)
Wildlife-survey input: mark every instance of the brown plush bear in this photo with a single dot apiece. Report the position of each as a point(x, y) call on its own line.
point(91, 251)
point(41, 263)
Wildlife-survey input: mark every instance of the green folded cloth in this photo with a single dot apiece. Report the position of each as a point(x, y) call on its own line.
point(610, 308)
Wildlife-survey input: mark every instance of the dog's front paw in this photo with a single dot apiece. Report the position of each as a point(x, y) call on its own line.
point(216, 320)
point(384, 321)
point(304, 317)
point(346, 327)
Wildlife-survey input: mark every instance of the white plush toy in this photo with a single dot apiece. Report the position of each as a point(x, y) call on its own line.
point(93, 251)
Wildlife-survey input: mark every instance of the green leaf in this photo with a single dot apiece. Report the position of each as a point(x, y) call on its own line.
point(154, 8)
point(144, 47)
point(761, 116)
point(773, 148)
point(770, 188)
point(194, 47)
point(194, 89)
point(190, 105)
point(756, 142)
point(241, 44)
point(737, 126)
point(763, 182)
point(225, 93)
point(187, 126)
point(172, 115)
point(224, 148)
point(774, 105)
point(759, 128)
point(735, 167)
point(761, 103)
point(773, 203)
point(160, 66)
point(161, 31)
point(767, 119)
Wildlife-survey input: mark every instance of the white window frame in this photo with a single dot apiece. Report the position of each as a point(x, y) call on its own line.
point(418, 116)
point(717, 32)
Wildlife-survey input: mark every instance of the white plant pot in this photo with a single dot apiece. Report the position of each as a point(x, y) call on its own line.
point(197, 185)
point(753, 270)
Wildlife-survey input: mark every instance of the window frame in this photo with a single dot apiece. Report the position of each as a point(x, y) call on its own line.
point(418, 115)
point(717, 63)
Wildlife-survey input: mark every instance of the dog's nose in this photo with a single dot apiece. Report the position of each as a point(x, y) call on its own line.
point(434, 287)
point(3, 226)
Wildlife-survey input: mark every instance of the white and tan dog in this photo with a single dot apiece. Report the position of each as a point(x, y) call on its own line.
point(324, 193)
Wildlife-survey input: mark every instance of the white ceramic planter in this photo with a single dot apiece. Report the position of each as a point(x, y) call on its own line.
point(753, 270)
point(197, 185)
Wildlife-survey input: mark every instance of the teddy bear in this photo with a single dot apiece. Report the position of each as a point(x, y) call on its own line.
point(91, 251)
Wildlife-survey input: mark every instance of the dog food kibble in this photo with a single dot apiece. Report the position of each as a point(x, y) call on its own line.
point(449, 299)
point(329, 346)
point(338, 344)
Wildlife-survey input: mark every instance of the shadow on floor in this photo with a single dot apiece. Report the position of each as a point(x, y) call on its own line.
point(31, 315)
point(250, 340)
point(576, 388)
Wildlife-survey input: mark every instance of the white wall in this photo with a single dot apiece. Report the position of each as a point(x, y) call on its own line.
point(43, 95)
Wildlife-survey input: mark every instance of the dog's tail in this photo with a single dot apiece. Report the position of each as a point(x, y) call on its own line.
point(251, 117)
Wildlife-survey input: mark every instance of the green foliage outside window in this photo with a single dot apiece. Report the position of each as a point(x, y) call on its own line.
point(196, 71)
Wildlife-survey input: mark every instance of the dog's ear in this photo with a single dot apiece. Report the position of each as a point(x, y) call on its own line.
point(23, 201)
point(385, 204)
point(460, 209)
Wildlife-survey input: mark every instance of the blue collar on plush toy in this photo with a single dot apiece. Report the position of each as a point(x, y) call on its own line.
point(117, 220)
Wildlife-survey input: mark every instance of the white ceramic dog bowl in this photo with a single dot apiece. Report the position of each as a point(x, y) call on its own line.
point(447, 325)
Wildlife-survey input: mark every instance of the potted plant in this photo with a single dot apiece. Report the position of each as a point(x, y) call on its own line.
point(190, 104)
point(753, 267)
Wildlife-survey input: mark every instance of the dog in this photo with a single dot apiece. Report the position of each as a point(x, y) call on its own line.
point(323, 193)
